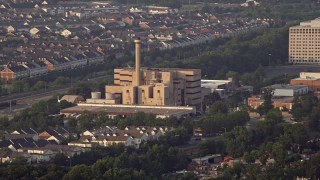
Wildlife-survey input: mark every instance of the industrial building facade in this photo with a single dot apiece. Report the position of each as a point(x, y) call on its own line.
point(288, 90)
point(310, 79)
point(155, 86)
point(163, 92)
point(304, 42)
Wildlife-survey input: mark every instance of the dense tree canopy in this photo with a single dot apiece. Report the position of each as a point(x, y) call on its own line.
point(217, 120)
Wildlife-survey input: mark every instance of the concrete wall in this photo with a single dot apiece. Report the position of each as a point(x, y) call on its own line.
point(101, 101)
point(129, 94)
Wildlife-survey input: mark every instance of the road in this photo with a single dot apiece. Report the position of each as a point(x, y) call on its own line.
point(25, 100)
point(290, 69)
point(31, 93)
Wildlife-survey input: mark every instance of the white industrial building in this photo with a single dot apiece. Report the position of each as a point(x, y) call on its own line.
point(288, 90)
point(222, 87)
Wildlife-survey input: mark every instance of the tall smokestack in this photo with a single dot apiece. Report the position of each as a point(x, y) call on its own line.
point(137, 46)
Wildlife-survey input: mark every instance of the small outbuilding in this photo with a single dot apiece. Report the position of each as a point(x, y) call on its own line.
point(74, 99)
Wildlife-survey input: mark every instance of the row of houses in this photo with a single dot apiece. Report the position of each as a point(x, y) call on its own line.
point(130, 136)
point(36, 146)
point(206, 35)
point(58, 8)
point(41, 35)
point(31, 137)
point(39, 147)
point(18, 70)
point(75, 28)
point(40, 154)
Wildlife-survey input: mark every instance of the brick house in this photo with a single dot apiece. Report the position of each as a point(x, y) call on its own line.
point(12, 72)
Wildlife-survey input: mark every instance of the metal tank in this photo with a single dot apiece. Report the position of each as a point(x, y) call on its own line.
point(95, 95)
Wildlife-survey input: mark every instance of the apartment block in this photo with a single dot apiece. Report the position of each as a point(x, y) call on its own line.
point(304, 42)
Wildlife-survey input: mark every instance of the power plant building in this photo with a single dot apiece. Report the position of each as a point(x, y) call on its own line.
point(156, 86)
point(161, 91)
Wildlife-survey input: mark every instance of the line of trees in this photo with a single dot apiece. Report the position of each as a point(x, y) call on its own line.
point(218, 119)
point(114, 162)
point(36, 117)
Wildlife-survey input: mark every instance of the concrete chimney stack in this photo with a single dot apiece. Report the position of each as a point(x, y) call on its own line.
point(137, 43)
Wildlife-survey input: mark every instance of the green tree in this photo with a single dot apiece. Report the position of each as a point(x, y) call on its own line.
point(79, 172)
point(188, 176)
point(100, 119)
point(274, 116)
point(313, 122)
point(85, 122)
point(218, 107)
point(211, 147)
point(297, 133)
point(249, 157)
point(53, 172)
point(237, 141)
point(246, 79)
point(82, 89)
point(252, 171)
point(72, 122)
point(210, 99)
point(215, 123)
point(234, 75)
point(20, 86)
point(16, 170)
point(61, 80)
point(303, 106)
point(313, 171)
point(60, 159)
point(267, 104)
point(39, 85)
point(64, 104)
point(279, 153)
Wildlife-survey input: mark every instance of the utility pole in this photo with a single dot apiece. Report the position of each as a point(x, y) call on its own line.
point(10, 107)
point(69, 161)
point(269, 58)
